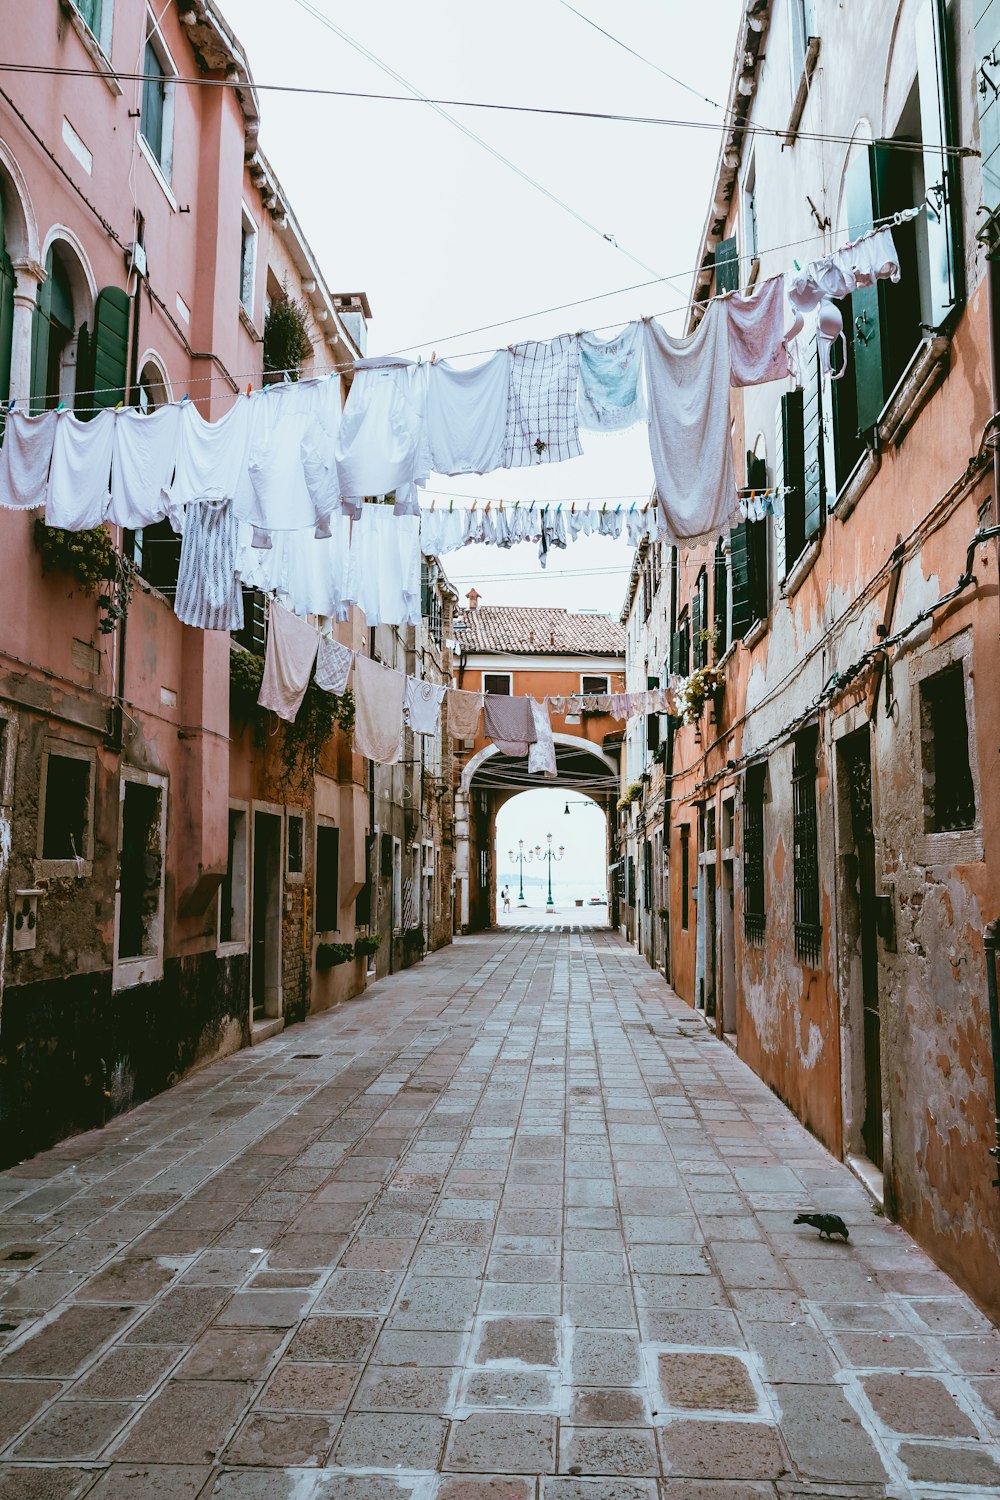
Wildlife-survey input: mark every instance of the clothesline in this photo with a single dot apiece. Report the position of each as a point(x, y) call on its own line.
point(292, 466)
point(386, 700)
point(23, 398)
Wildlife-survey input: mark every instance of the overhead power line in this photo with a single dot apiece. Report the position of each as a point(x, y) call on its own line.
point(664, 121)
point(485, 145)
point(647, 60)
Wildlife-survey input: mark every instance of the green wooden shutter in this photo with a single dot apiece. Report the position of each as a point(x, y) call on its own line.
point(153, 94)
point(793, 451)
point(987, 22)
point(719, 601)
point(83, 403)
point(941, 178)
point(696, 627)
point(738, 550)
point(110, 353)
point(40, 345)
point(865, 331)
point(90, 10)
point(727, 267)
point(813, 495)
point(756, 544)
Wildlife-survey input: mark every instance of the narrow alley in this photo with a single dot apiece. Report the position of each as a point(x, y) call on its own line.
point(512, 1225)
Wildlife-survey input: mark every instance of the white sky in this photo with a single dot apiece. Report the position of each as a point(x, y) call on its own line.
point(582, 871)
point(398, 203)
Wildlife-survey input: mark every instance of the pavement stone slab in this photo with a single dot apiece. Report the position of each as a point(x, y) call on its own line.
point(513, 1226)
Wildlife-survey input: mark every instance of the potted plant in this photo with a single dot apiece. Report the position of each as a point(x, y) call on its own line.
point(413, 940)
point(703, 683)
point(330, 955)
point(367, 945)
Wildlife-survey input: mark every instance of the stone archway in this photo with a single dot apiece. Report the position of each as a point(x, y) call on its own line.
point(487, 781)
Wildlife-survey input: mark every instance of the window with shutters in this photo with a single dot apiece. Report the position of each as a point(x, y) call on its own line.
point(59, 362)
point(885, 324)
point(248, 261)
point(253, 636)
point(805, 862)
point(727, 266)
point(235, 886)
point(803, 463)
point(498, 682)
point(720, 601)
point(700, 629)
point(647, 874)
point(647, 588)
point(987, 53)
point(949, 791)
point(96, 14)
point(680, 646)
point(652, 721)
point(748, 550)
point(754, 915)
point(156, 115)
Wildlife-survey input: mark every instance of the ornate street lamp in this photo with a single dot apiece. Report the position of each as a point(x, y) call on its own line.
point(521, 859)
point(550, 856)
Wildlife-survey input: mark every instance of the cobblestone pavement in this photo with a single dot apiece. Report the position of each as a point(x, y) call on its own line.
point(513, 1227)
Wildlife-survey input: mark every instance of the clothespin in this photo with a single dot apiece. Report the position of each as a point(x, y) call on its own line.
point(451, 508)
point(604, 508)
point(61, 406)
point(632, 508)
point(434, 357)
point(618, 510)
point(11, 404)
point(186, 397)
point(249, 387)
point(119, 406)
point(572, 509)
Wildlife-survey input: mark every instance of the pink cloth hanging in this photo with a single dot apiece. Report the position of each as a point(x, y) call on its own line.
point(291, 650)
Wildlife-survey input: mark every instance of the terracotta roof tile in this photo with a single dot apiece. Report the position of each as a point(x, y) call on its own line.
point(505, 628)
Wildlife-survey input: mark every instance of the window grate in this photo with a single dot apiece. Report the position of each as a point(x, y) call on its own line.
point(754, 918)
point(808, 929)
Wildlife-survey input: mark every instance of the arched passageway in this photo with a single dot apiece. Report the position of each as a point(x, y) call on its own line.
point(490, 781)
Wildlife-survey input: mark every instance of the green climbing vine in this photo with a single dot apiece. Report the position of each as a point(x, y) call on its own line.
point(93, 560)
point(319, 715)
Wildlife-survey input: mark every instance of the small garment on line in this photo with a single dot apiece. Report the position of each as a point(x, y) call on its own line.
point(542, 754)
point(378, 710)
point(291, 650)
point(757, 323)
point(552, 532)
point(465, 710)
point(209, 595)
point(80, 473)
point(542, 421)
point(142, 465)
point(510, 723)
point(467, 414)
point(441, 530)
point(611, 396)
point(211, 456)
point(381, 444)
point(423, 704)
point(689, 428)
point(333, 666)
point(557, 703)
point(24, 459)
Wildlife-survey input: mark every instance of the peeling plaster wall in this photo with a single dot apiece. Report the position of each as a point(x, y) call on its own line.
point(801, 1028)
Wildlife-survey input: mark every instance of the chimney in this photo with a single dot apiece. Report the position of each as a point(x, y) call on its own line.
point(473, 598)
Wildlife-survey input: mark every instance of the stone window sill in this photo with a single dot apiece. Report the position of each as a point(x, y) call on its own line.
point(93, 48)
point(862, 476)
point(959, 846)
point(756, 633)
point(250, 326)
point(798, 574)
point(923, 375)
point(157, 171)
point(129, 972)
point(63, 869)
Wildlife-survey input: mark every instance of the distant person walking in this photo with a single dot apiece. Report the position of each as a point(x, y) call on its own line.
point(505, 898)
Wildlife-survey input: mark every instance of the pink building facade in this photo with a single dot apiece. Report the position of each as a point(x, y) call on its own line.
point(160, 868)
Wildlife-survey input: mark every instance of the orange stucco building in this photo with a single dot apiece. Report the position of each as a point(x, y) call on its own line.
point(535, 653)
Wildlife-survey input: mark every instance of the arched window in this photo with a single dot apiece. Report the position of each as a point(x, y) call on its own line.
point(6, 309)
point(152, 392)
point(57, 344)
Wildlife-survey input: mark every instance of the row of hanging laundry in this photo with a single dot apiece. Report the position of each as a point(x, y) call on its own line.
point(385, 700)
point(288, 458)
point(496, 523)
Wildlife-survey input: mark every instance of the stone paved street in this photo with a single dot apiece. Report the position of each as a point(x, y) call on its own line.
point(512, 1227)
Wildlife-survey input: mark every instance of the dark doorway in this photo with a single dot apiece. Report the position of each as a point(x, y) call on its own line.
point(265, 967)
point(855, 752)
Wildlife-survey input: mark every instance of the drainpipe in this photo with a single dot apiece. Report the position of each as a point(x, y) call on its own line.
point(991, 943)
point(118, 709)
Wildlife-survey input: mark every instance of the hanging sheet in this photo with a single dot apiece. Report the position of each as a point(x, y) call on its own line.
point(757, 324)
point(142, 465)
point(378, 709)
point(542, 422)
point(467, 414)
point(209, 595)
point(689, 428)
point(381, 444)
point(80, 473)
point(291, 650)
point(25, 457)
